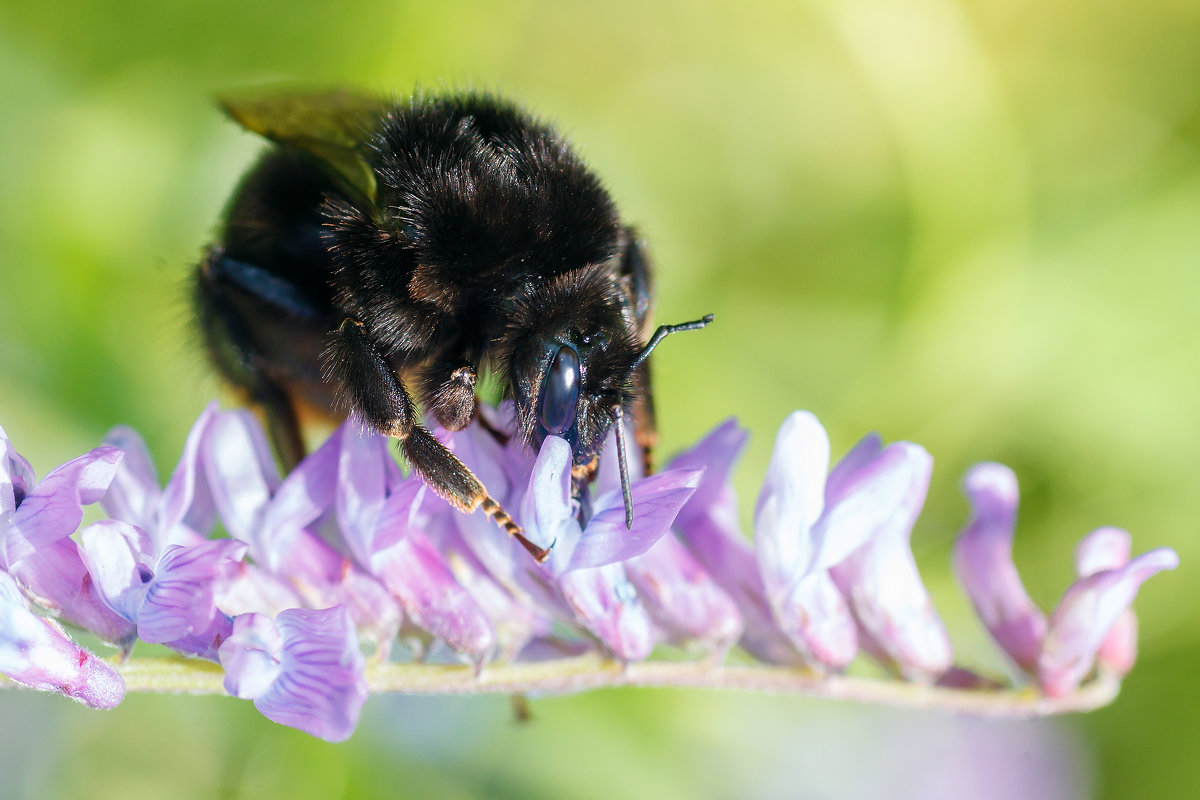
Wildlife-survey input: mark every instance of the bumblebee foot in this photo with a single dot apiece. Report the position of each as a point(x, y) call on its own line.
point(496, 512)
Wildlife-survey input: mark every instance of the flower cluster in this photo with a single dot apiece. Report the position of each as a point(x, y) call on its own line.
point(326, 569)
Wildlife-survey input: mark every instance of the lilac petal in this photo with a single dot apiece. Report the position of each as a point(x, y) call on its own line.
point(1086, 614)
point(656, 503)
point(180, 601)
point(186, 511)
point(716, 454)
point(983, 561)
point(814, 616)
point(884, 587)
point(36, 653)
point(715, 539)
point(546, 513)
point(1102, 549)
point(16, 476)
point(240, 471)
point(790, 503)
point(251, 655)
point(115, 554)
point(249, 589)
point(56, 578)
point(303, 497)
point(361, 490)
point(867, 487)
point(682, 598)
point(134, 494)
point(319, 687)
point(53, 509)
point(417, 574)
point(605, 603)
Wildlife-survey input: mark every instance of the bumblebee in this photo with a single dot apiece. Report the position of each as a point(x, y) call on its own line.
point(380, 251)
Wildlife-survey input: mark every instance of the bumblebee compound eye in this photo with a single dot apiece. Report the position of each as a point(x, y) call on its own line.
point(560, 392)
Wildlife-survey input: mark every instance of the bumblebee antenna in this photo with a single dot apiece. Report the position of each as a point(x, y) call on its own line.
point(623, 464)
point(666, 330)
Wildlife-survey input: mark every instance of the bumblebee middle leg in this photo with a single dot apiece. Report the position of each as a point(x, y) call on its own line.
point(375, 392)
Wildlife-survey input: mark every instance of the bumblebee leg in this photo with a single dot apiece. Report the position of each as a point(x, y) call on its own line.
point(449, 394)
point(637, 271)
point(645, 428)
point(375, 392)
point(221, 300)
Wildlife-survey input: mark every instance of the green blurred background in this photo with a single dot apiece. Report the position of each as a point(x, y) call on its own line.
point(969, 224)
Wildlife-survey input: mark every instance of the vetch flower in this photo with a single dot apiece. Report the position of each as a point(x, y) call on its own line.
point(304, 669)
point(1059, 653)
point(834, 552)
point(36, 521)
point(35, 652)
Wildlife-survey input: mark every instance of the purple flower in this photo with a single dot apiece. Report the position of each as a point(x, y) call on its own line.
point(279, 521)
point(304, 669)
point(168, 594)
point(36, 521)
point(1093, 613)
point(834, 552)
point(35, 652)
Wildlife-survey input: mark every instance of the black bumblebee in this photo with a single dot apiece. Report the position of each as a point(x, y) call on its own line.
point(381, 247)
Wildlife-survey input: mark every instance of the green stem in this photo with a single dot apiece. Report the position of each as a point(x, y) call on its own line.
point(180, 676)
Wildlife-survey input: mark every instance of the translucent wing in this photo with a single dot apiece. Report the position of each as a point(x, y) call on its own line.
point(332, 126)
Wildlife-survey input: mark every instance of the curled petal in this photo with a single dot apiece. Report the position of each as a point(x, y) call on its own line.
point(606, 603)
point(1086, 615)
point(656, 503)
point(716, 454)
point(983, 561)
point(114, 553)
point(546, 512)
point(361, 490)
point(1109, 548)
point(54, 508)
point(180, 602)
point(35, 652)
point(134, 494)
point(185, 515)
point(309, 677)
point(882, 583)
point(790, 503)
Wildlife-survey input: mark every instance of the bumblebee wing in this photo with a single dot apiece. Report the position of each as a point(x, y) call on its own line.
point(332, 127)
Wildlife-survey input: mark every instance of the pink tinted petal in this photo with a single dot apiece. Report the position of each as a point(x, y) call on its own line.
point(115, 554)
point(1109, 548)
point(247, 588)
point(983, 561)
point(791, 502)
point(134, 494)
point(251, 655)
point(1085, 616)
point(606, 603)
point(716, 454)
point(240, 471)
point(715, 539)
point(417, 574)
point(180, 601)
point(56, 579)
point(683, 599)
point(186, 513)
point(865, 495)
point(36, 653)
point(54, 508)
point(883, 585)
point(815, 618)
point(656, 503)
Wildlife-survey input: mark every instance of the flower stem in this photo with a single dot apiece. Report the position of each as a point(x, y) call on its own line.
point(180, 676)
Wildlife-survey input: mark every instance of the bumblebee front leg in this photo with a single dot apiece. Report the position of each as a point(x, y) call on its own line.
point(375, 392)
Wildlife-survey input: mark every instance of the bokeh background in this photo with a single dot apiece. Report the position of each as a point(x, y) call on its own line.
point(974, 225)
